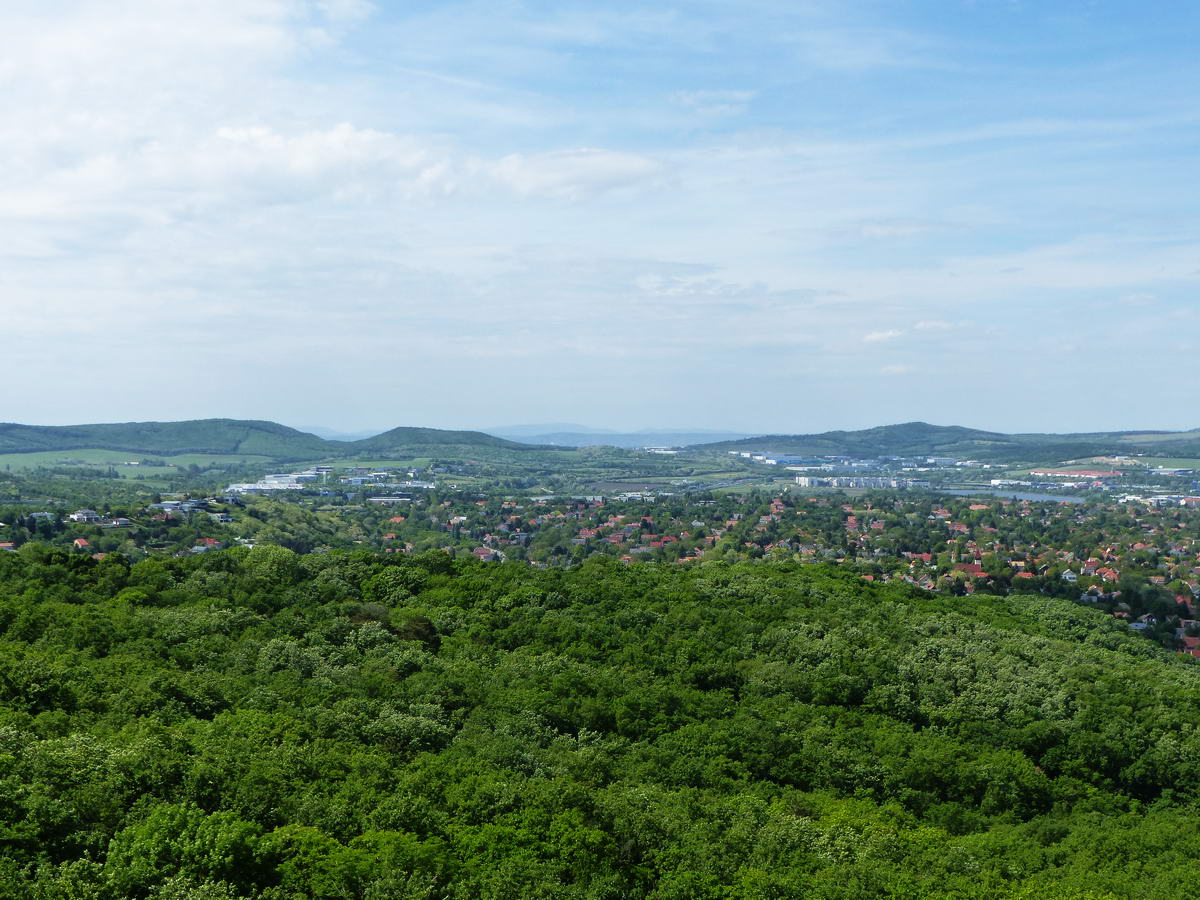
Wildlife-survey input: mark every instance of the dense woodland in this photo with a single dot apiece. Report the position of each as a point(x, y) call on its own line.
point(1133, 560)
point(283, 443)
point(342, 725)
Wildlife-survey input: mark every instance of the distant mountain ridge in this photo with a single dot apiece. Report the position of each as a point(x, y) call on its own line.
point(923, 439)
point(568, 435)
point(633, 439)
point(513, 432)
point(239, 437)
point(407, 438)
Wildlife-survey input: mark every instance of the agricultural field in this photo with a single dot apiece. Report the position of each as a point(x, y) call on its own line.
point(129, 465)
point(1170, 462)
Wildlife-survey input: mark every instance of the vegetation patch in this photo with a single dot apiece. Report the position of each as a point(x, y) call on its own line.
point(262, 724)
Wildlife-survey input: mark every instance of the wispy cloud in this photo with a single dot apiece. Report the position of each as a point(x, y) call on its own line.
point(572, 174)
point(714, 103)
point(633, 186)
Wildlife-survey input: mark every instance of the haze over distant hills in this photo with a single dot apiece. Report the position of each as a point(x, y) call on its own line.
point(569, 435)
point(921, 438)
point(242, 437)
point(284, 444)
point(336, 434)
point(528, 431)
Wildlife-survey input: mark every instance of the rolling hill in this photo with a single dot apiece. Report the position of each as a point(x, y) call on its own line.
point(284, 444)
point(422, 441)
point(630, 440)
point(224, 436)
point(242, 437)
point(923, 439)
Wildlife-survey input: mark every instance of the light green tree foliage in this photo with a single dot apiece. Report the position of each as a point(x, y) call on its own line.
point(270, 725)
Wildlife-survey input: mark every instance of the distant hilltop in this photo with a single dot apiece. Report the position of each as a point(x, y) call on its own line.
point(270, 440)
point(922, 439)
point(241, 437)
point(582, 436)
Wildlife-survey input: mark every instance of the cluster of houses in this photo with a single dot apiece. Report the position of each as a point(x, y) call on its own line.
point(283, 481)
point(855, 463)
point(165, 509)
point(1163, 500)
point(562, 526)
point(359, 476)
point(861, 481)
point(968, 543)
point(311, 478)
point(91, 517)
point(1166, 554)
point(158, 512)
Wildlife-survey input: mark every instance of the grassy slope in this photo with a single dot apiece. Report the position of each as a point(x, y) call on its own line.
point(222, 436)
point(101, 458)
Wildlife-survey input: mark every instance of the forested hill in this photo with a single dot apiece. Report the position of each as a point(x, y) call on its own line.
point(923, 439)
point(233, 436)
point(632, 440)
point(197, 436)
point(263, 725)
point(279, 442)
point(415, 441)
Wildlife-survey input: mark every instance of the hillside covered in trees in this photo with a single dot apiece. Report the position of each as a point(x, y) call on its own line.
point(284, 444)
point(923, 439)
point(262, 724)
point(236, 436)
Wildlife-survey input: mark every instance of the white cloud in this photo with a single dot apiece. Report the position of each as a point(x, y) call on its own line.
point(897, 370)
point(893, 229)
point(345, 11)
point(714, 103)
point(846, 49)
point(573, 174)
point(255, 174)
point(338, 157)
point(880, 337)
point(1139, 298)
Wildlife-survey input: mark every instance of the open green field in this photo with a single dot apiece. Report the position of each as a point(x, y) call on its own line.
point(1140, 465)
point(770, 487)
point(852, 493)
point(457, 482)
point(119, 458)
point(1171, 462)
point(1161, 438)
point(416, 462)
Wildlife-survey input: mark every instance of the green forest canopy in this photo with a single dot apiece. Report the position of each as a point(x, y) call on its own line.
point(269, 725)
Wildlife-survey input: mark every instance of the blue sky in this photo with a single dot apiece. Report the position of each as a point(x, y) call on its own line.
point(759, 216)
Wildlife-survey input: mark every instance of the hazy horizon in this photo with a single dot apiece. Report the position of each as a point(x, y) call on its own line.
point(331, 433)
point(773, 217)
